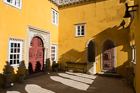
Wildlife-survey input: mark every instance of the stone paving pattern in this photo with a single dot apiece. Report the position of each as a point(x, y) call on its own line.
point(59, 82)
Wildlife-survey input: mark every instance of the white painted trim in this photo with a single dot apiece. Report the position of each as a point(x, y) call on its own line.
point(76, 30)
point(4, 1)
point(44, 35)
point(115, 54)
point(133, 59)
point(56, 49)
point(55, 16)
point(22, 48)
point(96, 61)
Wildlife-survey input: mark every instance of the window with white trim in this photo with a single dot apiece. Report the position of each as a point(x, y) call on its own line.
point(80, 30)
point(55, 15)
point(15, 51)
point(14, 3)
point(133, 60)
point(54, 52)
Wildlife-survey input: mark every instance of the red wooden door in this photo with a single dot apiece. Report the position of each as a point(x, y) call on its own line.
point(36, 55)
point(108, 55)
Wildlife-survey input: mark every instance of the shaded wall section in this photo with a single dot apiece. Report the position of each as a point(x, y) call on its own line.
point(103, 18)
point(136, 29)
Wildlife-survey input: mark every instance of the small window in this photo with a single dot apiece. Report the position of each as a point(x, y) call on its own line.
point(15, 51)
point(55, 17)
point(133, 60)
point(14, 3)
point(80, 30)
point(54, 52)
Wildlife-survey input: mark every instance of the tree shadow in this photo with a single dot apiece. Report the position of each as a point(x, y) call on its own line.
point(123, 51)
point(72, 56)
point(72, 83)
point(30, 68)
point(38, 67)
point(122, 1)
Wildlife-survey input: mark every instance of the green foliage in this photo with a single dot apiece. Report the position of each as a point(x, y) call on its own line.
point(21, 72)
point(21, 69)
point(8, 69)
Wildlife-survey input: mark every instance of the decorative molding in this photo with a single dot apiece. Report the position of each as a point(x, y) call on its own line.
point(65, 3)
point(44, 36)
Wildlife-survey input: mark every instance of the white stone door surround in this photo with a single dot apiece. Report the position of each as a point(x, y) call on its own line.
point(44, 35)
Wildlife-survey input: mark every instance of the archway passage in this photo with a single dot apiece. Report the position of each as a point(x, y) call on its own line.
point(108, 55)
point(91, 52)
point(91, 47)
point(36, 55)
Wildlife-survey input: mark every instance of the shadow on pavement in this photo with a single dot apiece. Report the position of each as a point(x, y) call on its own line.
point(60, 82)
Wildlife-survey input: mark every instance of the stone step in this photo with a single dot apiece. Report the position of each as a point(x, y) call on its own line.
point(110, 74)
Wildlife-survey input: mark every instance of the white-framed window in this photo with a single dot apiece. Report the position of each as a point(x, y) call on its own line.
point(15, 51)
point(80, 30)
point(54, 52)
point(14, 3)
point(133, 60)
point(55, 17)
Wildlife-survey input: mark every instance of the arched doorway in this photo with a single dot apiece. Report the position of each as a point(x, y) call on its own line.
point(91, 58)
point(36, 55)
point(108, 55)
point(91, 51)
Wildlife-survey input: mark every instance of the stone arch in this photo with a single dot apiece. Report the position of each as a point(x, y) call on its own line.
point(102, 45)
point(91, 65)
point(42, 34)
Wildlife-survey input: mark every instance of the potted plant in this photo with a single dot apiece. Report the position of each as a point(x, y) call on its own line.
point(21, 72)
point(55, 66)
point(7, 72)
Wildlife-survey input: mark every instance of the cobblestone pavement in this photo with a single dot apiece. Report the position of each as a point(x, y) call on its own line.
point(59, 82)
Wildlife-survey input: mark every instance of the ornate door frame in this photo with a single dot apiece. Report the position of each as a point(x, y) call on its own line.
point(45, 36)
point(115, 62)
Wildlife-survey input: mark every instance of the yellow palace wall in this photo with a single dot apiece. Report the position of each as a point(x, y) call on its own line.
point(103, 20)
point(136, 30)
point(14, 23)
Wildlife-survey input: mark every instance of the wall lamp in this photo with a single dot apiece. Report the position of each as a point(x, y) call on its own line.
point(127, 13)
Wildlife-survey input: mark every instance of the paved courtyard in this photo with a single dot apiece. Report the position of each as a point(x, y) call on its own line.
point(59, 82)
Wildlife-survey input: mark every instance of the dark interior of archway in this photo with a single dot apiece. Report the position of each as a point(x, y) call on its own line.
point(91, 52)
point(108, 45)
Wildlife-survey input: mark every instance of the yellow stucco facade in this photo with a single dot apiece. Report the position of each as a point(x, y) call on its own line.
point(14, 23)
point(102, 19)
point(134, 28)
